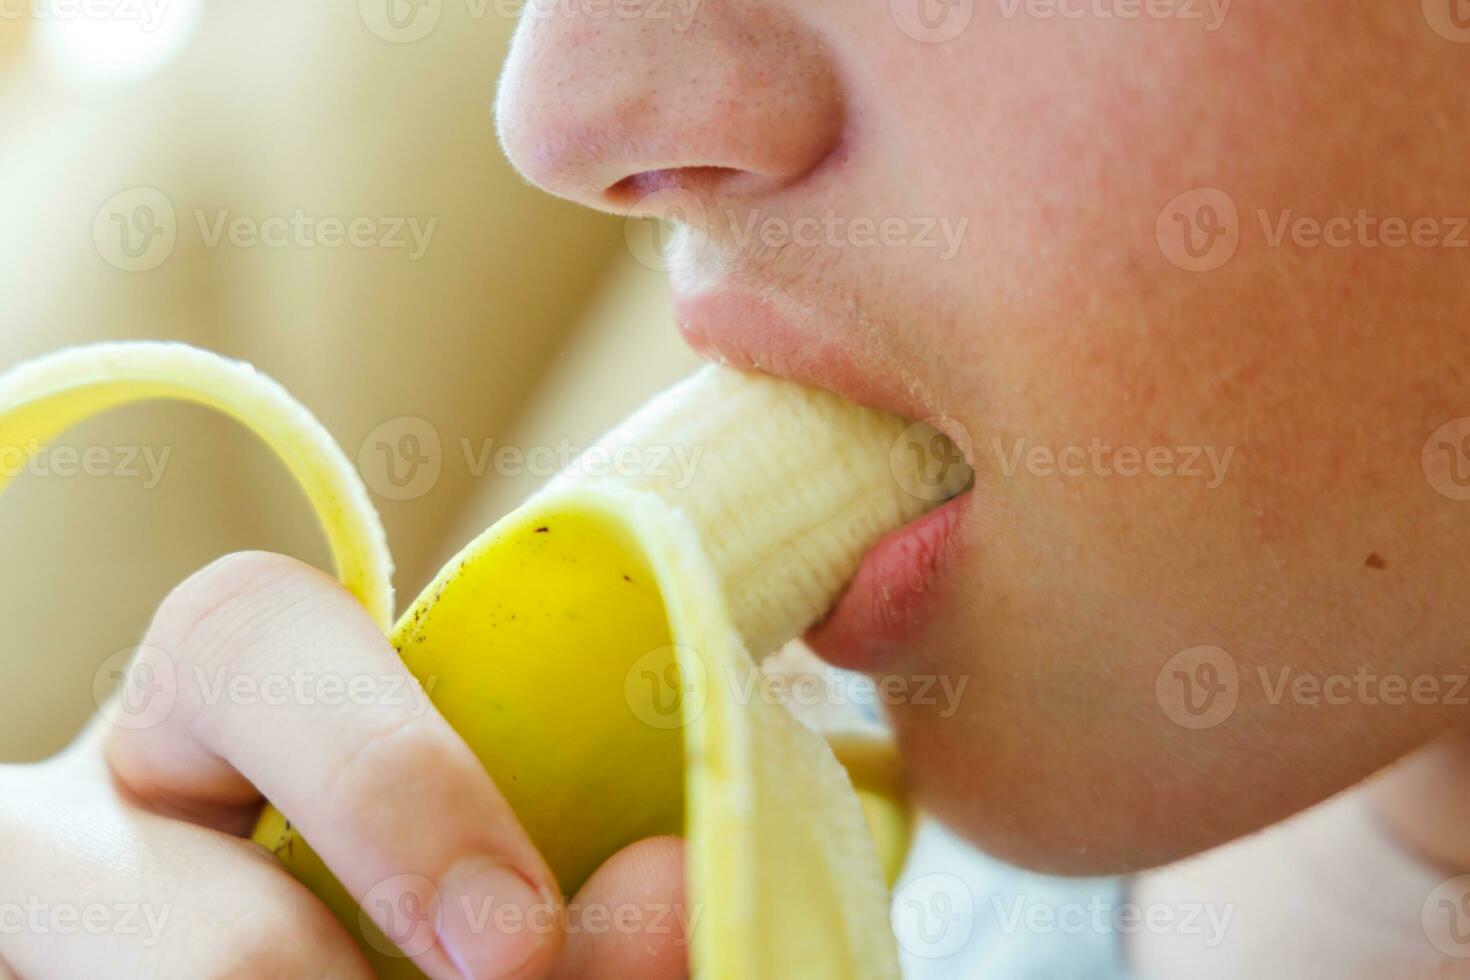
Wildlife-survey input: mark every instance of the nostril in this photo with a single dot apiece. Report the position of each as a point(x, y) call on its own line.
point(626, 193)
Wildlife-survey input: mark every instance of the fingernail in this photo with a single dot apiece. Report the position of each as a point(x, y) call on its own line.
point(492, 920)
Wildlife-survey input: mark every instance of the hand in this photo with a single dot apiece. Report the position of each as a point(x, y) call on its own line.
point(145, 823)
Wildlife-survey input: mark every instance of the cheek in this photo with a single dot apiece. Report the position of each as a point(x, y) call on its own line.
point(1288, 452)
point(1288, 391)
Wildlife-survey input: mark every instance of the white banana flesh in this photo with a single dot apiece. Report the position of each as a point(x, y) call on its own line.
point(787, 487)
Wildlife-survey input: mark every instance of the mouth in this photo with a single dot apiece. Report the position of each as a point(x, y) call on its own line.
point(897, 589)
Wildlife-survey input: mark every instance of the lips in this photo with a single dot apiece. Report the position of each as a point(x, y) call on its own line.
point(896, 589)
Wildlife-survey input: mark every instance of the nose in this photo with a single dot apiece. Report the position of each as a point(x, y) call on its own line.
point(726, 96)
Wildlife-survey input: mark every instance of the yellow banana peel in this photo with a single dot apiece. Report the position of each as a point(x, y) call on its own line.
point(586, 650)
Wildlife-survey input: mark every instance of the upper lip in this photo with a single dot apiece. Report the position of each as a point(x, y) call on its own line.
point(755, 333)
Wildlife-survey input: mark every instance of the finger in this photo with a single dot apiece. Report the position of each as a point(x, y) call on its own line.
point(95, 889)
point(630, 919)
point(284, 684)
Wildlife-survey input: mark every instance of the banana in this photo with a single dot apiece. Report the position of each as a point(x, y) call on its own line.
point(596, 648)
point(786, 487)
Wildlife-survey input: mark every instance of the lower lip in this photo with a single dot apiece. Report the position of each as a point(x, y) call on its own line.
point(890, 598)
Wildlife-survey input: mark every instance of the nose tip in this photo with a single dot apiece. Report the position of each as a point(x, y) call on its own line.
point(606, 111)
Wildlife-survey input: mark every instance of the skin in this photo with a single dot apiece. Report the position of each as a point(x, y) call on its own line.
point(1060, 321)
point(1062, 599)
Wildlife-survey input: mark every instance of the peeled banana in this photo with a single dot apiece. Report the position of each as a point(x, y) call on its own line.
point(595, 647)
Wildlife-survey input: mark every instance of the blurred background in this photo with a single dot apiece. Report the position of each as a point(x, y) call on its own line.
point(316, 189)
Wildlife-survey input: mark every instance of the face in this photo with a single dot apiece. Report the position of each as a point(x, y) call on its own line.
point(1187, 283)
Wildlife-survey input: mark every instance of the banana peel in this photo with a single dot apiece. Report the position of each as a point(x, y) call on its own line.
point(585, 649)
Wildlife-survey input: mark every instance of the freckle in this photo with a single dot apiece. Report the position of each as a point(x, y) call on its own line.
point(542, 529)
point(1375, 560)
